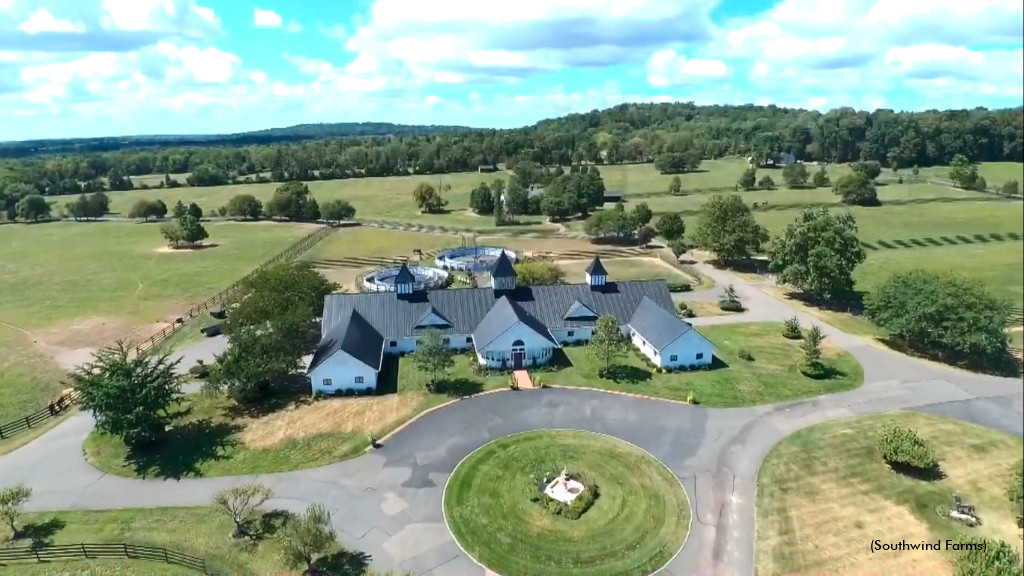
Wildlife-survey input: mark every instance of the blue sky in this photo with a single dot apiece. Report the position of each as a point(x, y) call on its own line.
point(77, 68)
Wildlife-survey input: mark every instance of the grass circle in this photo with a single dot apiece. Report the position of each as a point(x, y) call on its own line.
point(637, 525)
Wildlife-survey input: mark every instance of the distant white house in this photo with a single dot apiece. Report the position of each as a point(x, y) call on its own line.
point(783, 159)
point(507, 326)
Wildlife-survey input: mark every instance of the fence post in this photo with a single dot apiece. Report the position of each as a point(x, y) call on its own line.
point(28, 422)
point(125, 546)
point(36, 551)
point(166, 560)
point(84, 551)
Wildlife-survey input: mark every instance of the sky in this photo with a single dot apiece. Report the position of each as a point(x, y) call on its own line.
point(81, 68)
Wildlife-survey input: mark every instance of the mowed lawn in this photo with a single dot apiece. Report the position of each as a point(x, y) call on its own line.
point(772, 375)
point(824, 495)
point(638, 522)
point(995, 173)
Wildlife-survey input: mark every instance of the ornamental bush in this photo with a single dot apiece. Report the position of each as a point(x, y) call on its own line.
point(901, 447)
point(573, 510)
point(980, 556)
point(791, 329)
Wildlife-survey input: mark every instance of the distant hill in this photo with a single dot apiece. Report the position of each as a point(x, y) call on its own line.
point(23, 148)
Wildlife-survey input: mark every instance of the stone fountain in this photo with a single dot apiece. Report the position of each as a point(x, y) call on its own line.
point(563, 488)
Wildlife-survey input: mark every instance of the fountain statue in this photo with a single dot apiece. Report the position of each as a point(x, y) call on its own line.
point(563, 488)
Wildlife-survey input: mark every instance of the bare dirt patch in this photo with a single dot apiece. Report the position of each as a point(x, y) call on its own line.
point(356, 415)
point(346, 277)
point(72, 344)
point(183, 249)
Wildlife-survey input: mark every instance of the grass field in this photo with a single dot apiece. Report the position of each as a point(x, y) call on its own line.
point(771, 377)
point(995, 173)
point(69, 287)
point(622, 269)
point(200, 532)
point(635, 526)
point(824, 495)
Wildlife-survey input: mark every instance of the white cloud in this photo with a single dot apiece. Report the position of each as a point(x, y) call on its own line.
point(431, 99)
point(5, 4)
point(155, 15)
point(258, 77)
point(42, 21)
point(294, 26)
point(266, 18)
point(202, 65)
point(666, 68)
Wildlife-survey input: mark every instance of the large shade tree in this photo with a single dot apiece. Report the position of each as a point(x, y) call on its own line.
point(129, 395)
point(727, 227)
point(817, 253)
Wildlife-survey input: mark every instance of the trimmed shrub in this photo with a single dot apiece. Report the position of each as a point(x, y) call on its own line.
point(901, 447)
point(791, 329)
point(679, 286)
point(200, 371)
point(978, 556)
point(731, 305)
point(575, 509)
point(745, 354)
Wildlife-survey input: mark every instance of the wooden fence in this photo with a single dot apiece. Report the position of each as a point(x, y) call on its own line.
point(232, 292)
point(221, 298)
point(26, 422)
point(66, 552)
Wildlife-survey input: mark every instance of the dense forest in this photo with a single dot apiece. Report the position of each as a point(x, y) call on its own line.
point(625, 133)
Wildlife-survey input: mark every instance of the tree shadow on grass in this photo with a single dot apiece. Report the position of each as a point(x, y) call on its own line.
point(184, 449)
point(286, 392)
point(41, 534)
point(267, 525)
point(342, 563)
point(852, 304)
point(624, 373)
point(932, 474)
point(1005, 365)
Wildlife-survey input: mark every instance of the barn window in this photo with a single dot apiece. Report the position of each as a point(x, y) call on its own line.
point(673, 358)
point(469, 339)
point(570, 334)
point(446, 341)
point(359, 379)
point(700, 355)
point(393, 343)
point(327, 381)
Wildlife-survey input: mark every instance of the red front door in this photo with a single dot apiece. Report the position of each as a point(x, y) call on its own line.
point(517, 359)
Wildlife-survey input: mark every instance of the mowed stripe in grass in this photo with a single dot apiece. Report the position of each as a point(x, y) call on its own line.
point(824, 495)
point(638, 523)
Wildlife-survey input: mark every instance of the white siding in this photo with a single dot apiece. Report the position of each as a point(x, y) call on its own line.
point(408, 345)
point(538, 348)
point(685, 349)
point(579, 334)
point(342, 370)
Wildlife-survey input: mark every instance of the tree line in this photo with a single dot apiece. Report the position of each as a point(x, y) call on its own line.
point(674, 136)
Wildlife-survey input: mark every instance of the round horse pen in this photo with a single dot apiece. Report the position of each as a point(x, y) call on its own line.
point(383, 280)
point(471, 258)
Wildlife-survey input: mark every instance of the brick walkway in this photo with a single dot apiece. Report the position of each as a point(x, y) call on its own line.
point(523, 379)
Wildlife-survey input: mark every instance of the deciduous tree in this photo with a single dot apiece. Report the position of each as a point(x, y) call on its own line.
point(307, 537)
point(766, 183)
point(337, 210)
point(671, 226)
point(606, 343)
point(245, 206)
point(795, 175)
point(645, 234)
point(428, 199)
point(292, 201)
point(944, 314)
point(433, 357)
point(538, 272)
point(821, 179)
point(871, 169)
point(856, 189)
point(748, 180)
point(642, 214)
point(817, 253)
point(33, 207)
point(675, 186)
point(240, 502)
point(727, 227)
point(811, 364)
point(129, 395)
point(12, 499)
point(481, 199)
point(962, 172)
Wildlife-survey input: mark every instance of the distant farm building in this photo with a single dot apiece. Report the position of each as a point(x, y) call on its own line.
point(483, 168)
point(614, 196)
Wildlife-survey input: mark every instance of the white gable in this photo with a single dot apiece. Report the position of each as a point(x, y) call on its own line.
point(432, 318)
point(579, 311)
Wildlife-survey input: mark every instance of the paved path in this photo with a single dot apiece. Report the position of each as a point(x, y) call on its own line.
point(388, 502)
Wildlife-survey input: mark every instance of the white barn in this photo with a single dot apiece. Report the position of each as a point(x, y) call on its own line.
point(506, 325)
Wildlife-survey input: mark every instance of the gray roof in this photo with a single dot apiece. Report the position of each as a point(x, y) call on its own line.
point(404, 276)
point(657, 325)
point(579, 310)
point(354, 335)
point(427, 314)
point(504, 315)
point(503, 267)
point(595, 268)
point(396, 315)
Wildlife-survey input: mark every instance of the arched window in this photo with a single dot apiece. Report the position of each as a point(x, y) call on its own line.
point(519, 343)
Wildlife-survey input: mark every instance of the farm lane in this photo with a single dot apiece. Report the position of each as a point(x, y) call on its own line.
point(388, 502)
